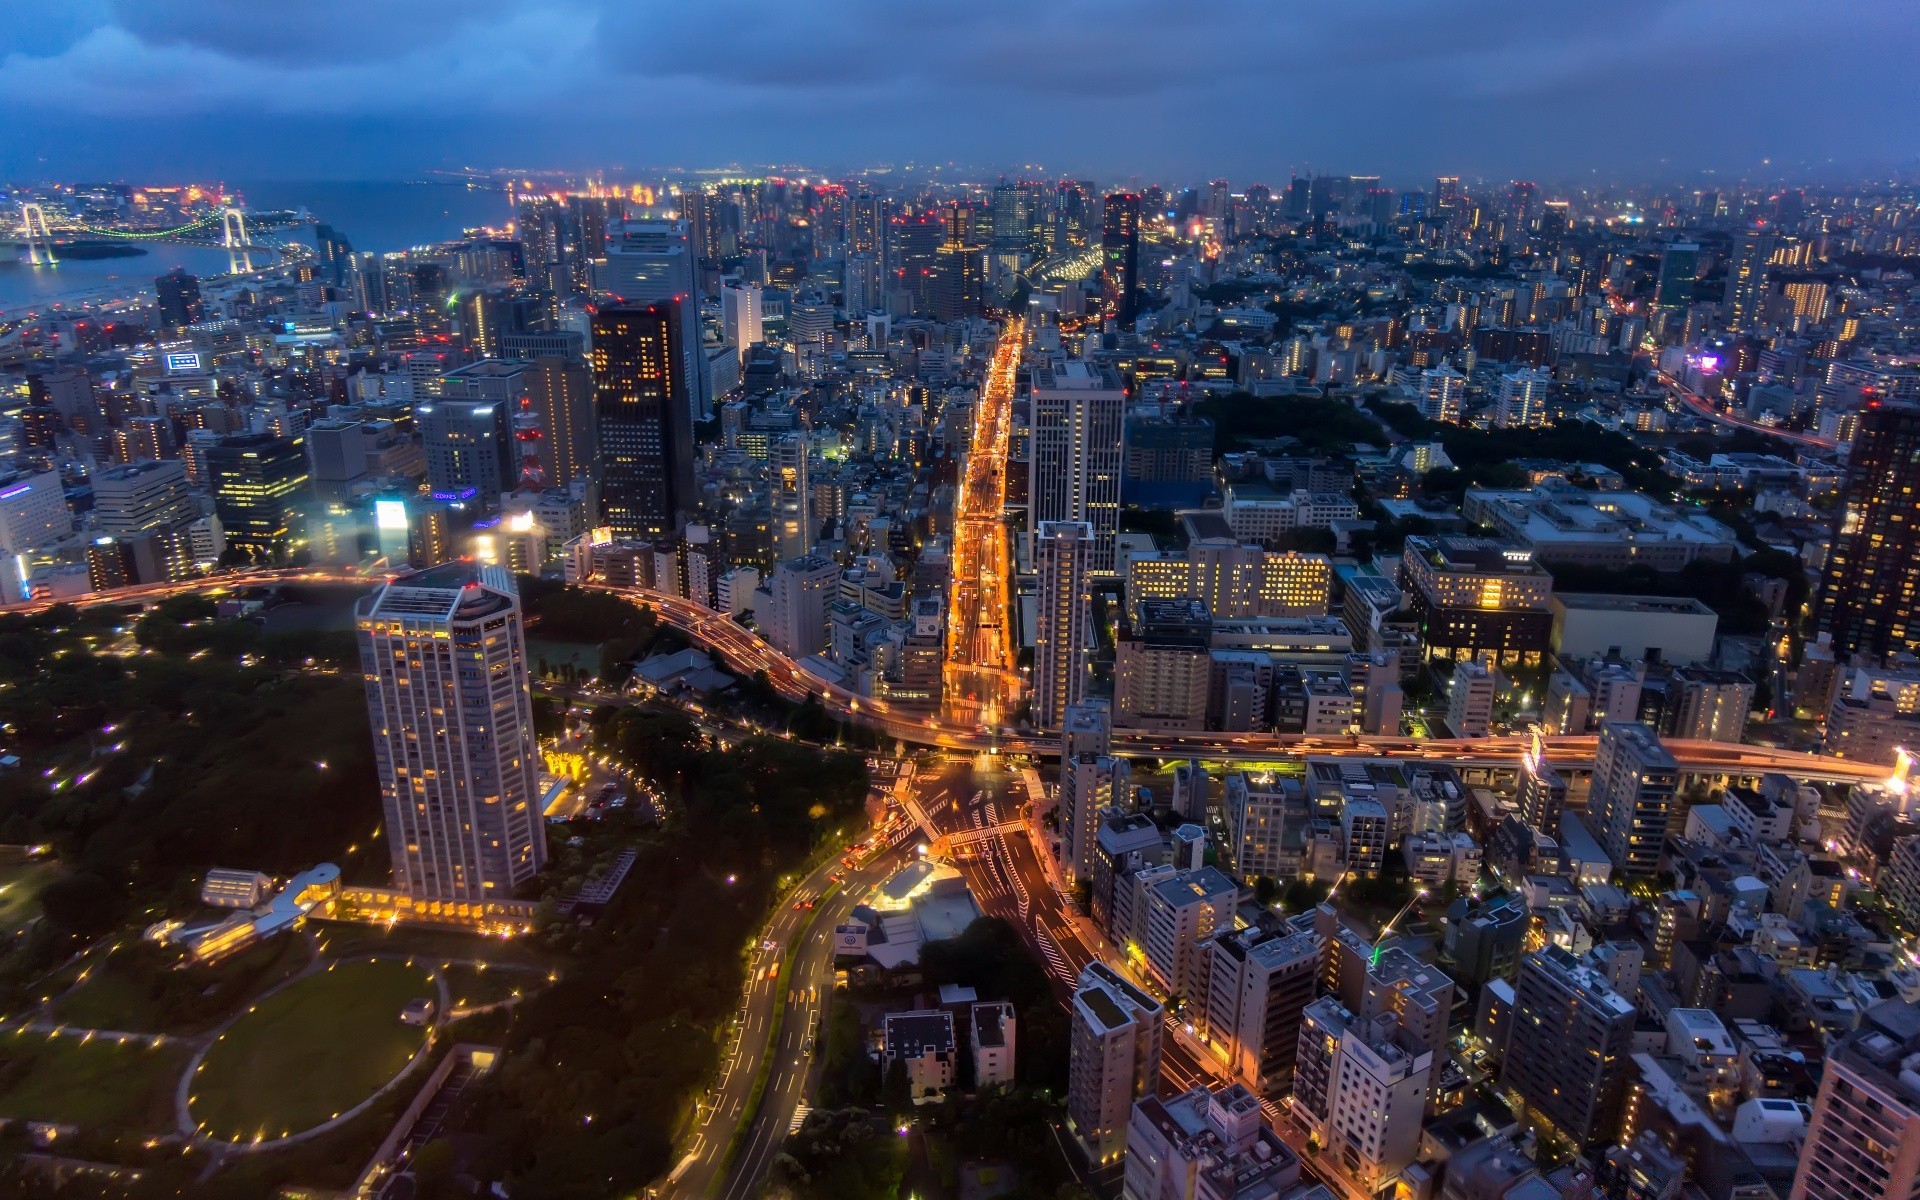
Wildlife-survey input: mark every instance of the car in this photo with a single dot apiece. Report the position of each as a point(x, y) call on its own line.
point(799, 905)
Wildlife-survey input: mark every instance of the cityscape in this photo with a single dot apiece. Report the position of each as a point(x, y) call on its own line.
point(801, 680)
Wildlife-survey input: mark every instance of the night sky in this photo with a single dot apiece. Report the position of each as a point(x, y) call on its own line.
point(1247, 89)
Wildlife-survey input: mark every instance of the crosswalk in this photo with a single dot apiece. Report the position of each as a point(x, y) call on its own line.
point(799, 1118)
point(1056, 962)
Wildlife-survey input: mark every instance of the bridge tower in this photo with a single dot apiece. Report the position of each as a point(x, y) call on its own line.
point(233, 235)
point(39, 238)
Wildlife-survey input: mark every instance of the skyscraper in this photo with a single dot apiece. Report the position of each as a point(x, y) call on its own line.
point(1679, 265)
point(1568, 1046)
point(1079, 452)
point(643, 421)
point(177, 295)
point(1060, 559)
point(1747, 278)
point(1120, 256)
point(451, 707)
point(1870, 591)
point(793, 526)
point(740, 317)
point(258, 483)
point(650, 262)
point(1633, 783)
point(469, 451)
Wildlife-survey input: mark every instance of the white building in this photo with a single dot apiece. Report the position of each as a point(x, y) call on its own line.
point(1470, 700)
point(1078, 453)
point(792, 608)
point(1062, 560)
point(33, 512)
point(1521, 402)
point(1114, 1059)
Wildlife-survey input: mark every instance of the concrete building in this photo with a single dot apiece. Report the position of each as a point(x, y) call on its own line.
point(1267, 815)
point(1470, 699)
point(1206, 1146)
point(1520, 402)
point(142, 497)
point(1477, 598)
point(1078, 453)
point(1633, 787)
point(650, 262)
point(1258, 983)
point(793, 614)
point(1360, 1088)
point(1163, 667)
point(1182, 910)
point(1062, 635)
point(991, 1027)
point(33, 512)
point(1670, 629)
point(1568, 1046)
point(451, 706)
point(1564, 524)
point(1864, 1139)
point(1089, 786)
point(1114, 1059)
point(1708, 705)
point(921, 1042)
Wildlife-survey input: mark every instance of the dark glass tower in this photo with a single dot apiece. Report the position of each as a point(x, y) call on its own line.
point(177, 295)
point(640, 408)
point(1870, 593)
point(1120, 256)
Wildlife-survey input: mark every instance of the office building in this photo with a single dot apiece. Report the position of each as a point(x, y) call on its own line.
point(1078, 455)
point(1870, 586)
point(1089, 785)
point(177, 296)
point(1477, 598)
point(1267, 816)
point(33, 512)
point(641, 419)
point(1747, 279)
point(1864, 1138)
point(1162, 667)
point(1206, 1145)
point(140, 498)
point(1114, 1059)
point(451, 706)
point(470, 452)
point(1258, 984)
point(741, 317)
point(1633, 788)
point(1062, 634)
point(1120, 257)
point(259, 482)
point(793, 615)
point(1679, 266)
point(792, 496)
point(1568, 1046)
point(650, 263)
point(547, 399)
point(1669, 629)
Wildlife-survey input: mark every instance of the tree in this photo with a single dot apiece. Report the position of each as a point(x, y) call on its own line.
point(896, 1090)
point(82, 904)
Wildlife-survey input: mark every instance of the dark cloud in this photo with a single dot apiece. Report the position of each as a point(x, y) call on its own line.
point(1246, 88)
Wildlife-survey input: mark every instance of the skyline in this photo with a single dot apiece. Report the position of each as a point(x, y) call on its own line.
point(356, 90)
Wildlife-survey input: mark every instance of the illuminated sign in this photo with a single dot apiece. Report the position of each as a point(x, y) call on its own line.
point(458, 495)
point(390, 514)
point(11, 492)
point(187, 361)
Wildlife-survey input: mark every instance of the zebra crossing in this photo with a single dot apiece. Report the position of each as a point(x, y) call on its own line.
point(1056, 962)
point(799, 1118)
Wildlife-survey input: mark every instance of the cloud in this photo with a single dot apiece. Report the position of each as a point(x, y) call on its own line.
point(1225, 86)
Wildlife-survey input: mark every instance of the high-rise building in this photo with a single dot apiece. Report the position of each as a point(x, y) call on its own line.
point(1078, 453)
point(1441, 392)
point(1864, 1138)
point(1568, 1046)
point(1870, 588)
point(33, 511)
point(1114, 1059)
point(740, 317)
point(1521, 402)
point(792, 499)
point(451, 705)
point(469, 452)
point(1747, 278)
point(259, 482)
point(650, 263)
point(143, 497)
point(1180, 911)
point(1543, 793)
point(1679, 266)
point(1633, 784)
point(1089, 784)
point(1120, 257)
point(793, 615)
point(1063, 633)
point(177, 295)
point(642, 421)
point(1707, 705)
point(1258, 983)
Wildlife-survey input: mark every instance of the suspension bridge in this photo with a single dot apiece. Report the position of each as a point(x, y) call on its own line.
point(232, 229)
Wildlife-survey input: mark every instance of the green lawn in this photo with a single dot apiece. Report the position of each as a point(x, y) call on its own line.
point(97, 1084)
point(139, 987)
point(311, 1051)
point(471, 986)
point(343, 939)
